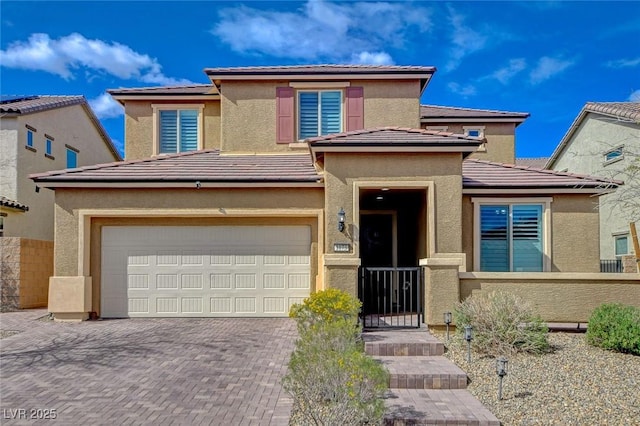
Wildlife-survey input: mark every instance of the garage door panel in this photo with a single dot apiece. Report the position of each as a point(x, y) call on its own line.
point(204, 271)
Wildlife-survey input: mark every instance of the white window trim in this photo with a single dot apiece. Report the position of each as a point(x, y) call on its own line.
point(615, 159)
point(546, 225)
point(316, 89)
point(175, 107)
point(480, 129)
point(617, 236)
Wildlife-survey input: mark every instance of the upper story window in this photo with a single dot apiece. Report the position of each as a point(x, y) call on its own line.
point(310, 109)
point(48, 145)
point(474, 131)
point(622, 245)
point(72, 157)
point(613, 155)
point(511, 236)
point(178, 128)
point(29, 137)
point(319, 113)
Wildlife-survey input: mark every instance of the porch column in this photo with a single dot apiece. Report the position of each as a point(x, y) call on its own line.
point(442, 286)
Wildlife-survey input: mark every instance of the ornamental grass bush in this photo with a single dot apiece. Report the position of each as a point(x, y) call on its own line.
point(503, 323)
point(331, 379)
point(615, 327)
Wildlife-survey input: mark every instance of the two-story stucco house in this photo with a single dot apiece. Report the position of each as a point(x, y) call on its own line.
point(604, 140)
point(241, 197)
point(37, 134)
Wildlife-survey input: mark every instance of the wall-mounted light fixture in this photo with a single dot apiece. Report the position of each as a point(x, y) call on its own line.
point(198, 184)
point(341, 219)
point(37, 188)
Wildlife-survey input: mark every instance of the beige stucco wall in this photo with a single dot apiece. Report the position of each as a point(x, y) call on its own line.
point(249, 111)
point(342, 170)
point(68, 126)
point(596, 135)
point(565, 297)
point(574, 232)
point(138, 125)
point(500, 146)
point(9, 157)
point(25, 268)
point(199, 208)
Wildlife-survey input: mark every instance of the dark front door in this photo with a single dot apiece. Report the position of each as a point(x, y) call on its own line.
point(376, 240)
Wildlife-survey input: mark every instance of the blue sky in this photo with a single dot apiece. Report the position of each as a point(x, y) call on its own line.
point(545, 58)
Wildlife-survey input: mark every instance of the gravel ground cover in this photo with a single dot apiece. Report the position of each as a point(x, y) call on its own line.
point(575, 384)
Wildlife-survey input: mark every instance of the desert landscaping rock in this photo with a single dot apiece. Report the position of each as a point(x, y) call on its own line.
point(576, 384)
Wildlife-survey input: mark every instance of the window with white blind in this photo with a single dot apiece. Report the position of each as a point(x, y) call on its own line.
point(511, 237)
point(178, 128)
point(319, 113)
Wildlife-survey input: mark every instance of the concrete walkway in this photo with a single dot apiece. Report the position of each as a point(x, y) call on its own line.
point(156, 371)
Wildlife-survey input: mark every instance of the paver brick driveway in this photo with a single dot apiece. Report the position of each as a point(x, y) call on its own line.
point(156, 371)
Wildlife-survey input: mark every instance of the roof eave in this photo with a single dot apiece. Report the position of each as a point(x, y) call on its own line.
point(190, 184)
point(517, 120)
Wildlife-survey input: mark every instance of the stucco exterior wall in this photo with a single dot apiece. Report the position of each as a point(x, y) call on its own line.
point(342, 170)
point(68, 126)
point(9, 157)
point(574, 222)
point(138, 125)
point(584, 154)
point(500, 146)
point(249, 111)
point(560, 297)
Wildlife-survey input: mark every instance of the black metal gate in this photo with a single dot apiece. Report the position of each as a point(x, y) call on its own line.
point(391, 297)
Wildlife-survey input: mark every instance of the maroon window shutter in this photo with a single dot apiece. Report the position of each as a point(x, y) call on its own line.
point(355, 108)
point(284, 114)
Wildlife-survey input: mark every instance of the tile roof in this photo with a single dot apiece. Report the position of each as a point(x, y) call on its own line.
point(321, 69)
point(538, 162)
point(194, 89)
point(477, 174)
point(6, 202)
point(629, 110)
point(30, 104)
point(394, 136)
point(436, 111)
point(204, 166)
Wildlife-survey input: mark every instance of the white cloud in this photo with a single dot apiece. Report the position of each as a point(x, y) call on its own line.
point(465, 40)
point(505, 74)
point(321, 30)
point(464, 91)
point(65, 55)
point(635, 96)
point(548, 67)
point(372, 58)
point(104, 106)
point(624, 63)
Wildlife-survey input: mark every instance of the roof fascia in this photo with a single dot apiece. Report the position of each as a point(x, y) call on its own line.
point(538, 190)
point(473, 120)
point(566, 139)
point(52, 184)
point(393, 148)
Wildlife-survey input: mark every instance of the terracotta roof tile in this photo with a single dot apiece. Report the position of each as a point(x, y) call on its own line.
point(486, 174)
point(30, 104)
point(629, 110)
point(204, 166)
point(6, 202)
point(436, 111)
point(391, 136)
point(532, 162)
point(193, 89)
point(321, 69)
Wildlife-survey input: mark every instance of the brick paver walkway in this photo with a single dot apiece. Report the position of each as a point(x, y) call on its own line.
point(156, 371)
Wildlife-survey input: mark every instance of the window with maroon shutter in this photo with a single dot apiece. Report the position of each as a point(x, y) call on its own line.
point(284, 115)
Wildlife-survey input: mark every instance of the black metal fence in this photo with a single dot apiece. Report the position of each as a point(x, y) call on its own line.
point(614, 265)
point(391, 297)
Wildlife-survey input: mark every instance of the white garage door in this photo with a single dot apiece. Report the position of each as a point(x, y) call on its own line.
point(203, 271)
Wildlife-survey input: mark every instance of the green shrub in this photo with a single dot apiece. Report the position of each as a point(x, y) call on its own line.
point(615, 327)
point(502, 323)
point(331, 379)
point(326, 305)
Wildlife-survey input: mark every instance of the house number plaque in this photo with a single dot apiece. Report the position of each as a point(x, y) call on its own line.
point(342, 247)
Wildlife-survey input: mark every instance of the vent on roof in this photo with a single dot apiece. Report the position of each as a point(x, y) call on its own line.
point(7, 99)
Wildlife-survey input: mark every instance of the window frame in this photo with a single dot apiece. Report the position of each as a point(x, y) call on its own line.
point(176, 107)
point(75, 152)
point(29, 142)
point(545, 202)
point(479, 129)
point(318, 90)
point(615, 245)
point(615, 159)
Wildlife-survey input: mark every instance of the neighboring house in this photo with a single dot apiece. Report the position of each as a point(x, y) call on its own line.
point(604, 140)
point(242, 197)
point(535, 162)
point(37, 134)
